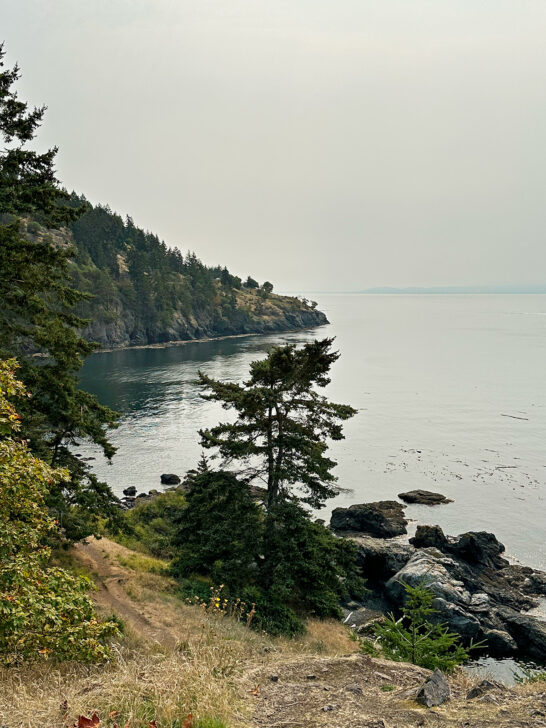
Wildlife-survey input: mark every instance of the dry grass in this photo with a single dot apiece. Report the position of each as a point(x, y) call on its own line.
point(146, 680)
point(175, 659)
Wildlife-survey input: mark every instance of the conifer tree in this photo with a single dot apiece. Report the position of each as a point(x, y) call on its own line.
point(283, 423)
point(37, 322)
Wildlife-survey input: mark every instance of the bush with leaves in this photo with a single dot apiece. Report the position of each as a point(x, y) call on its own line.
point(415, 637)
point(44, 611)
point(151, 525)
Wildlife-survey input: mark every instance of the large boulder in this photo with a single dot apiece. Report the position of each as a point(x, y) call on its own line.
point(528, 632)
point(131, 491)
point(429, 536)
point(433, 569)
point(452, 599)
point(380, 558)
point(384, 519)
point(170, 479)
point(424, 497)
point(479, 548)
point(435, 691)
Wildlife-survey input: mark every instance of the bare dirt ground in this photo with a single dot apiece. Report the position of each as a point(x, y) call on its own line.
point(362, 692)
point(99, 557)
point(279, 686)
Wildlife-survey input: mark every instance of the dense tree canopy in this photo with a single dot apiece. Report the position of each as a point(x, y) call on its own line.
point(37, 320)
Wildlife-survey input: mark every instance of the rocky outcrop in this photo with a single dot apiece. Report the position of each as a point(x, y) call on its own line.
point(424, 497)
point(478, 594)
point(383, 519)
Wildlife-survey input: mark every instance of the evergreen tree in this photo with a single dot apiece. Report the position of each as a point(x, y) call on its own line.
point(415, 637)
point(286, 564)
point(251, 283)
point(37, 322)
point(282, 422)
point(219, 531)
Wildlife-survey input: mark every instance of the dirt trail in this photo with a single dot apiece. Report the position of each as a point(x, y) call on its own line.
point(96, 555)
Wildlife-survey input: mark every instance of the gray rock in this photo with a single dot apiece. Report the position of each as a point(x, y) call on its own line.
point(429, 537)
point(131, 491)
point(379, 558)
point(384, 519)
point(528, 632)
point(170, 479)
point(499, 642)
point(424, 497)
point(481, 548)
point(435, 691)
point(362, 618)
point(478, 690)
point(433, 569)
point(354, 688)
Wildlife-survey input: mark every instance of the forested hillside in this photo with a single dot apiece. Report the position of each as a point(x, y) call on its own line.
point(144, 292)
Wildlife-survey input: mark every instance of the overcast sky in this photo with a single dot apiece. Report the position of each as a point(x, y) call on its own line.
point(322, 145)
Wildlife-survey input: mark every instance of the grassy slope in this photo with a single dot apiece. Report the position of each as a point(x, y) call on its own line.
point(175, 659)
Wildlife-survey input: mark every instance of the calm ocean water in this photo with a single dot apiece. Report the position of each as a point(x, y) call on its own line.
point(451, 394)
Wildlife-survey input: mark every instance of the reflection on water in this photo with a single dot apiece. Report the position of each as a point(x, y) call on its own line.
point(450, 392)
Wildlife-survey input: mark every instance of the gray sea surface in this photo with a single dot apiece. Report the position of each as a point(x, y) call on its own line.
point(450, 391)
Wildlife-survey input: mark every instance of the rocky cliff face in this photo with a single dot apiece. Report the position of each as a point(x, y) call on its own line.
point(279, 313)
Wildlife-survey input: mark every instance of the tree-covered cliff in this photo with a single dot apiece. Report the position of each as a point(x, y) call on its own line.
point(144, 292)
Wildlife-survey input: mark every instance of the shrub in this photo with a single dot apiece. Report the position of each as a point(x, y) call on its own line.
point(44, 610)
point(414, 638)
point(152, 524)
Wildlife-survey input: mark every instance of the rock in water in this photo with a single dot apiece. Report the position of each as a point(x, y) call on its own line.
point(384, 519)
point(131, 491)
point(425, 497)
point(170, 479)
point(435, 691)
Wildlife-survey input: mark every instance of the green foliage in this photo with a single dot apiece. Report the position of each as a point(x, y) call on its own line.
point(44, 610)
point(278, 559)
point(305, 565)
point(208, 722)
point(415, 638)
point(284, 563)
point(152, 524)
point(530, 675)
point(251, 283)
point(282, 422)
point(218, 532)
point(37, 320)
point(134, 275)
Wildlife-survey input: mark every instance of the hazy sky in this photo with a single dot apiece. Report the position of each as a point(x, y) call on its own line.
point(323, 145)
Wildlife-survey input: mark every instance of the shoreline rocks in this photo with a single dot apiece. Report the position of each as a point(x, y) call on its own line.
point(383, 519)
point(424, 497)
point(478, 593)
